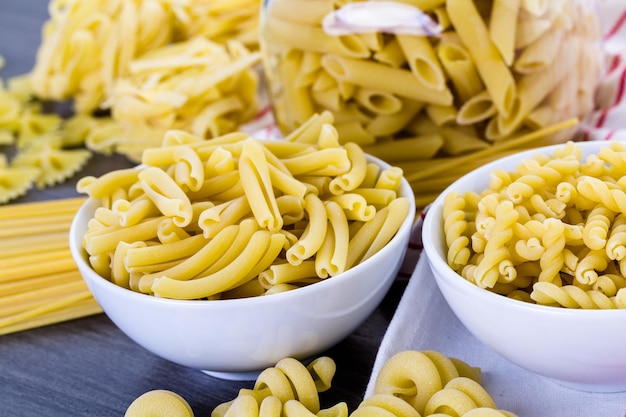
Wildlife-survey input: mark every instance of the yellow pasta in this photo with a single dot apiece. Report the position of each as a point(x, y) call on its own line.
point(313, 38)
point(313, 235)
point(474, 35)
point(256, 181)
point(502, 27)
point(379, 77)
point(333, 254)
point(241, 217)
point(420, 55)
point(547, 232)
point(40, 285)
point(492, 66)
point(460, 68)
point(219, 281)
point(163, 191)
point(288, 387)
point(391, 53)
point(414, 377)
point(445, 386)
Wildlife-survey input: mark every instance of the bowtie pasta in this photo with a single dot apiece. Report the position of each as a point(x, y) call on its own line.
point(236, 216)
point(41, 157)
point(551, 232)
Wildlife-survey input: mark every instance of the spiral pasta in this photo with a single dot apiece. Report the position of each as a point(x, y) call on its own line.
point(282, 386)
point(459, 252)
point(290, 389)
point(561, 229)
point(415, 376)
point(159, 403)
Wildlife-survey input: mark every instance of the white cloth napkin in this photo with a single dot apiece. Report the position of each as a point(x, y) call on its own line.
point(424, 321)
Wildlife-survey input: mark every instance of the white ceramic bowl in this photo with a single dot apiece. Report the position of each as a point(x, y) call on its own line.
point(582, 349)
point(237, 338)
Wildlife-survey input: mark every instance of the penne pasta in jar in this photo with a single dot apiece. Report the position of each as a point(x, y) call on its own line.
point(486, 72)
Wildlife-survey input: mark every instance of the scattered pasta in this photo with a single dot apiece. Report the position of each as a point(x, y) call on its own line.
point(159, 403)
point(410, 384)
point(549, 232)
point(236, 216)
point(290, 387)
point(14, 181)
point(41, 157)
point(487, 72)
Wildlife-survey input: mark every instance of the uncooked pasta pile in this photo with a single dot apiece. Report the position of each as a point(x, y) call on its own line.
point(39, 281)
point(131, 70)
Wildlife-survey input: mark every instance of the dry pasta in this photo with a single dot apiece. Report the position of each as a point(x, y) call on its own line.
point(450, 387)
point(163, 66)
point(199, 219)
point(70, 63)
point(285, 384)
point(160, 403)
point(546, 233)
point(484, 74)
point(39, 282)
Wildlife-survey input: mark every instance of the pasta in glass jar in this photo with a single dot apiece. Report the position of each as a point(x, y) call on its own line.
point(422, 80)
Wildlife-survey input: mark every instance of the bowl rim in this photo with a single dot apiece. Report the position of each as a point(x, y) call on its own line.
point(461, 284)
point(79, 255)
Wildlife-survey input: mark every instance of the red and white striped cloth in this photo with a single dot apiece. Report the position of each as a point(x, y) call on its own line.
point(609, 120)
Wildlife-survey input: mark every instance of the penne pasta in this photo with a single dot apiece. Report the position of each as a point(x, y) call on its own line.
point(490, 65)
point(379, 77)
point(421, 58)
point(459, 67)
point(502, 27)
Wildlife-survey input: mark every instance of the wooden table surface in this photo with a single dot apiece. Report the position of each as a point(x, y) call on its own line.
point(87, 367)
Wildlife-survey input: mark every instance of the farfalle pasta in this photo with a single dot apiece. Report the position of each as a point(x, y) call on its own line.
point(40, 158)
point(201, 218)
point(548, 232)
point(14, 181)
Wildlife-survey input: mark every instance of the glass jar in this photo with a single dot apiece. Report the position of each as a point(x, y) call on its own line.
point(441, 77)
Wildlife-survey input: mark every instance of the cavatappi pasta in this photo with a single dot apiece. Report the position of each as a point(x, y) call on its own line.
point(551, 232)
point(497, 71)
point(409, 384)
point(236, 216)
